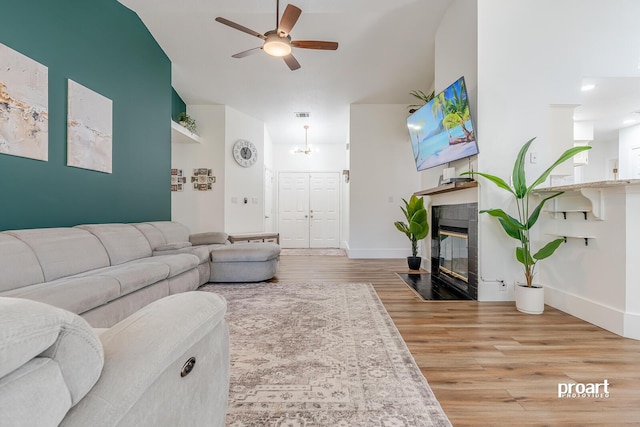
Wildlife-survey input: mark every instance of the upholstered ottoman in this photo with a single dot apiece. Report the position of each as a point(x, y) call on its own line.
point(244, 262)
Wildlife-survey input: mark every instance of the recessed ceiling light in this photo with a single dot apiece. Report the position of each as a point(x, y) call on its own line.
point(587, 87)
point(629, 121)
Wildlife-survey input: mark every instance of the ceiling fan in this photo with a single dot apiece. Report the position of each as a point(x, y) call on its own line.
point(278, 42)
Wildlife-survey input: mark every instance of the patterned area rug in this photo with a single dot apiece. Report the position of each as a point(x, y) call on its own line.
point(313, 252)
point(320, 355)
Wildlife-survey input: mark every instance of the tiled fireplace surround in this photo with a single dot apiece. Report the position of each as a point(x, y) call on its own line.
point(458, 217)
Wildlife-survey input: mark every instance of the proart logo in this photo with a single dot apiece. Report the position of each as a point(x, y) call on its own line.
point(583, 391)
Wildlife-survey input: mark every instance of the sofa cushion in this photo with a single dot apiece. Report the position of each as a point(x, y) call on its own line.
point(173, 232)
point(123, 242)
point(241, 252)
point(18, 264)
point(177, 263)
point(202, 252)
point(153, 235)
point(173, 246)
point(64, 252)
point(133, 275)
point(77, 294)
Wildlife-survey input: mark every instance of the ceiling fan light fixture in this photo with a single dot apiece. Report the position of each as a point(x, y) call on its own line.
point(277, 46)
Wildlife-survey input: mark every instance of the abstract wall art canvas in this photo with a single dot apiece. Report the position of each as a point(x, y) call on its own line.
point(24, 99)
point(89, 129)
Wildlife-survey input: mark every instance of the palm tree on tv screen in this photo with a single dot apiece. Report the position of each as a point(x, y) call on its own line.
point(457, 113)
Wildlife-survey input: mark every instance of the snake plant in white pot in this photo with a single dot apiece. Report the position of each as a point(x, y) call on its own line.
point(518, 227)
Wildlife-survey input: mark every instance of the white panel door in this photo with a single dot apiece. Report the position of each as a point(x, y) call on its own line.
point(269, 212)
point(293, 201)
point(324, 210)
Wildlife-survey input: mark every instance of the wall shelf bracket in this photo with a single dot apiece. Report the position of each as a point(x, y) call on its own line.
point(597, 201)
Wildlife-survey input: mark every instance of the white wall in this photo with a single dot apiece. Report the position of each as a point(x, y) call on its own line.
point(219, 128)
point(268, 149)
point(533, 54)
point(241, 182)
point(201, 210)
point(629, 139)
point(382, 173)
point(329, 158)
point(456, 55)
point(601, 155)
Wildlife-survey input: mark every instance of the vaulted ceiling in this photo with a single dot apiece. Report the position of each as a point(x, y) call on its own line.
point(386, 49)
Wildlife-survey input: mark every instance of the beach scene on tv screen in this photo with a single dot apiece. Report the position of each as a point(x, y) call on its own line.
point(441, 131)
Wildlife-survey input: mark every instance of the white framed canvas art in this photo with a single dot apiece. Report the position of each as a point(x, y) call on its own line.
point(89, 129)
point(24, 99)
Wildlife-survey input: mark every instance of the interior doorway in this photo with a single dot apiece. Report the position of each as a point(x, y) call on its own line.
point(268, 201)
point(309, 209)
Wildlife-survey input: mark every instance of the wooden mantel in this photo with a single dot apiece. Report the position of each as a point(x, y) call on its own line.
point(445, 188)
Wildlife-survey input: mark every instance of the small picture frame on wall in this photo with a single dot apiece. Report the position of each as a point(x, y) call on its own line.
point(177, 179)
point(202, 179)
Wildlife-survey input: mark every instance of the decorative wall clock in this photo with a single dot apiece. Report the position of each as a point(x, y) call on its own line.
point(245, 153)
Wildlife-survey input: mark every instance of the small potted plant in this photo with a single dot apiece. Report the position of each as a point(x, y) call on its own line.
point(186, 121)
point(416, 228)
point(529, 296)
point(422, 97)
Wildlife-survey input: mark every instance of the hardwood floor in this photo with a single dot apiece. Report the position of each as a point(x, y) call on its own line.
point(490, 365)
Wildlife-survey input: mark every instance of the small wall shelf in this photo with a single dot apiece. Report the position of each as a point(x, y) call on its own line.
point(565, 211)
point(565, 237)
point(445, 188)
point(182, 134)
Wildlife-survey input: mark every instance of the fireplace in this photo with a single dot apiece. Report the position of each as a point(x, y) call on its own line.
point(454, 247)
point(454, 253)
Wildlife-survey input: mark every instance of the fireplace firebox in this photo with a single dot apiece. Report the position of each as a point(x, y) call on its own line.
point(454, 247)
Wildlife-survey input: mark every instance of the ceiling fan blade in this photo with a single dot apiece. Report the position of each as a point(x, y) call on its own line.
point(247, 52)
point(240, 27)
point(314, 44)
point(292, 62)
point(289, 19)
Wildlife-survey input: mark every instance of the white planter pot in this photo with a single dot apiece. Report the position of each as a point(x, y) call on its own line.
point(530, 300)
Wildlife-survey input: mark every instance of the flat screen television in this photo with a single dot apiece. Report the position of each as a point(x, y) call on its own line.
point(442, 131)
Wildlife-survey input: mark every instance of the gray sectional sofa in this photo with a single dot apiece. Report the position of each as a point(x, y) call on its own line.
point(106, 272)
point(57, 284)
point(57, 370)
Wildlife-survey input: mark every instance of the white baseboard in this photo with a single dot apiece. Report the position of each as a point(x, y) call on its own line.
point(632, 326)
point(607, 318)
point(376, 253)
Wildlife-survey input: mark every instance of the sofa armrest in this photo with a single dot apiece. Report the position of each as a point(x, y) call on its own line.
point(211, 238)
point(141, 382)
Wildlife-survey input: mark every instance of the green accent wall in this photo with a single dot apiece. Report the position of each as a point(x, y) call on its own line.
point(104, 46)
point(177, 105)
